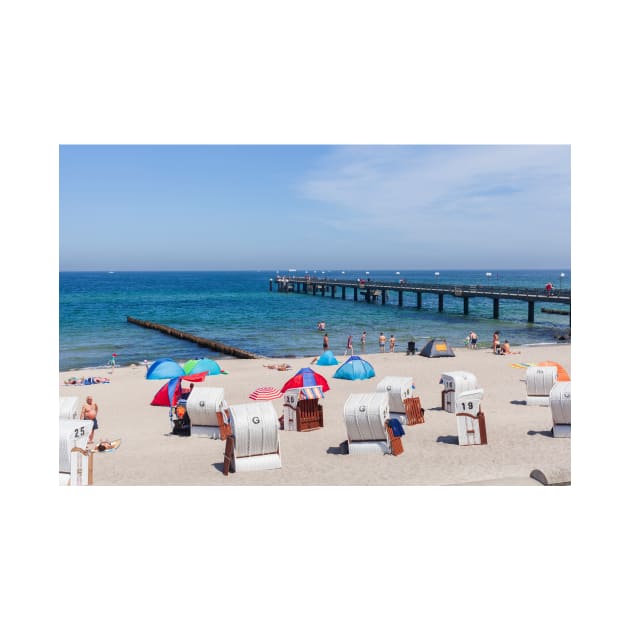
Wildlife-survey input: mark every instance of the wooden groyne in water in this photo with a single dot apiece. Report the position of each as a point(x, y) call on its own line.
point(217, 346)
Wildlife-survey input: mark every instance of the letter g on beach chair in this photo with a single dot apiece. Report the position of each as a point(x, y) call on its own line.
point(367, 423)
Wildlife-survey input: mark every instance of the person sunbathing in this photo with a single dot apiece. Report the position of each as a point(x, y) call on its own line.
point(73, 380)
point(505, 348)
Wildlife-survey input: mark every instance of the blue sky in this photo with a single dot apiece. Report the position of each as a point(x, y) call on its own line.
point(170, 207)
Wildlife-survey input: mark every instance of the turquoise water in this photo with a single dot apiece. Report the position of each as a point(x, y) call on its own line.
point(237, 308)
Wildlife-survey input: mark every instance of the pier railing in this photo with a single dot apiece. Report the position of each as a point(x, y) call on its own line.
point(374, 289)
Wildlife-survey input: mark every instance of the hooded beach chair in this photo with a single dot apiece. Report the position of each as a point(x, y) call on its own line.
point(254, 443)
point(404, 404)
point(75, 461)
point(471, 421)
point(560, 403)
point(369, 428)
point(302, 410)
point(539, 381)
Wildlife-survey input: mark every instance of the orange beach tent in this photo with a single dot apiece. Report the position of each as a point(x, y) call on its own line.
point(562, 373)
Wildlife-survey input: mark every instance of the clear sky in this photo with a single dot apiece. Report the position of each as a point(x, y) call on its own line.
point(177, 207)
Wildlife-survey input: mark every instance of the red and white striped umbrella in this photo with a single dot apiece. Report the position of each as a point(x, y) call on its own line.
point(265, 393)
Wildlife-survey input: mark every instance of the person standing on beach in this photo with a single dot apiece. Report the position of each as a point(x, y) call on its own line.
point(392, 343)
point(89, 412)
point(473, 340)
point(348, 346)
point(325, 342)
point(363, 340)
point(381, 343)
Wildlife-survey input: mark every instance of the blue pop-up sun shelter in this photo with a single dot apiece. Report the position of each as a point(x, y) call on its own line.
point(355, 368)
point(202, 365)
point(328, 358)
point(165, 368)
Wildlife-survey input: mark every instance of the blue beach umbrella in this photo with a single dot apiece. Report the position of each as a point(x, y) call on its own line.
point(165, 368)
point(355, 368)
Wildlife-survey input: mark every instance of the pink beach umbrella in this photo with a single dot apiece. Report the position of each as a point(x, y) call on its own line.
point(265, 393)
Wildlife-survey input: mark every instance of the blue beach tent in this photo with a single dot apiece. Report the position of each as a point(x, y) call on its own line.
point(328, 358)
point(355, 368)
point(203, 365)
point(165, 368)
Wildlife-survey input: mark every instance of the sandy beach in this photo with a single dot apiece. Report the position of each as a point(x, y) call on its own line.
point(519, 436)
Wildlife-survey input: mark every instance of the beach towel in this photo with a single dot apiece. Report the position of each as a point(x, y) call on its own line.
point(396, 427)
point(522, 365)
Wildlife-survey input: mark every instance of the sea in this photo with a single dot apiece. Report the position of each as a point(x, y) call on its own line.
point(238, 309)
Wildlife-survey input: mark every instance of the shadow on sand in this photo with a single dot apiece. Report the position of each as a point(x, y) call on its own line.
point(545, 433)
point(342, 449)
point(448, 439)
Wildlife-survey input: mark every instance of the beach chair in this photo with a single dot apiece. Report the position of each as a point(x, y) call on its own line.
point(207, 411)
point(69, 408)
point(455, 383)
point(254, 443)
point(471, 421)
point(560, 403)
point(368, 425)
point(403, 404)
point(539, 380)
point(75, 460)
point(302, 410)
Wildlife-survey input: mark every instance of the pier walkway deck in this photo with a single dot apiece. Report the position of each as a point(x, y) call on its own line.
point(373, 291)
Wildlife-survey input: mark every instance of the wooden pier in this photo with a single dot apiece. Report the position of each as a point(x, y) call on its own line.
point(217, 346)
point(374, 291)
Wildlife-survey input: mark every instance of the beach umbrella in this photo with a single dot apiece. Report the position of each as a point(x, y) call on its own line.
point(306, 378)
point(327, 358)
point(265, 393)
point(170, 392)
point(355, 368)
point(202, 365)
point(164, 368)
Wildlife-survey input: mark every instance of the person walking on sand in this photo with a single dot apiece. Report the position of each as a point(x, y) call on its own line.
point(325, 342)
point(89, 412)
point(381, 343)
point(473, 340)
point(348, 346)
point(392, 343)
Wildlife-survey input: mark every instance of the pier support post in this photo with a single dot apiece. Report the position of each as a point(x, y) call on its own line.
point(271, 284)
point(530, 312)
point(465, 305)
point(356, 294)
point(343, 293)
point(419, 299)
point(323, 287)
point(495, 308)
point(441, 302)
point(383, 297)
point(332, 291)
point(400, 298)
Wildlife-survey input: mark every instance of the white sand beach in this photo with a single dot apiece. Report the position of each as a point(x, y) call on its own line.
point(519, 436)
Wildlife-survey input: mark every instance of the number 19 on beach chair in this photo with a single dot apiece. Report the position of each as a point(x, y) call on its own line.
point(471, 421)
